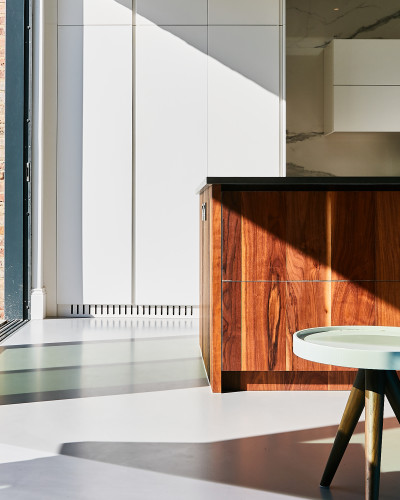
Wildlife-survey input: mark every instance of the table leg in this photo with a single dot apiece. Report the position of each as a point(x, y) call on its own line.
point(392, 391)
point(374, 396)
point(351, 415)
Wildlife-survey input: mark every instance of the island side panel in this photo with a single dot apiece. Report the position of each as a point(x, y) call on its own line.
point(205, 267)
point(231, 276)
point(216, 288)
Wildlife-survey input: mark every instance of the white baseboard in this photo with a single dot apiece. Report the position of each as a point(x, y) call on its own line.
point(38, 303)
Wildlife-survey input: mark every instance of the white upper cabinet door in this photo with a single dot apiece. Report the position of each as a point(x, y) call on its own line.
point(171, 12)
point(248, 12)
point(243, 101)
point(82, 12)
point(171, 160)
point(365, 62)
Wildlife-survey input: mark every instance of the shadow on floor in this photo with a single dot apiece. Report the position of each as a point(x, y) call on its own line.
point(284, 463)
point(32, 373)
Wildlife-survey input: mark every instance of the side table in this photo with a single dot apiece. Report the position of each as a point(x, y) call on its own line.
point(375, 351)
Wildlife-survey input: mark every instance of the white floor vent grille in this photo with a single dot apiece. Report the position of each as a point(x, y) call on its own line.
point(126, 311)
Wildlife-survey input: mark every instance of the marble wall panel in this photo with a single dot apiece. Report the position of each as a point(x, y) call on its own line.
point(311, 25)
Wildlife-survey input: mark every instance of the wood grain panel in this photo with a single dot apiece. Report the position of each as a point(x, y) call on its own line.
point(286, 381)
point(205, 283)
point(353, 235)
point(231, 236)
point(274, 381)
point(231, 326)
point(263, 236)
point(308, 305)
point(388, 303)
point(341, 380)
point(352, 304)
point(307, 226)
point(263, 326)
point(215, 285)
point(387, 236)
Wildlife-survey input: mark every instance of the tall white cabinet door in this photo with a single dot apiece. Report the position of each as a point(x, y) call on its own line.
point(69, 165)
point(95, 165)
point(107, 165)
point(170, 160)
point(243, 101)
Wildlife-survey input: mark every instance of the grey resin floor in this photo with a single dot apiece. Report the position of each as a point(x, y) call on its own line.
point(121, 409)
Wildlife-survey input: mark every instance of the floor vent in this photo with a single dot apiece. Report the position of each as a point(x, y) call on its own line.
point(126, 311)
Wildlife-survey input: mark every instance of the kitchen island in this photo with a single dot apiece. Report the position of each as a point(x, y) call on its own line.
point(280, 255)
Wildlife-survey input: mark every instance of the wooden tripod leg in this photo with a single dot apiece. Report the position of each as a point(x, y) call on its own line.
point(374, 396)
point(392, 391)
point(351, 415)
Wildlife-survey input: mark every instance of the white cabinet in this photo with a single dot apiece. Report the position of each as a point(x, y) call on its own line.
point(95, 12)
point(243, 101)
point(171, 12)
point(69, 165)
point(94, 165)
point(249, 12)
point(362, 86)
point(170, 161)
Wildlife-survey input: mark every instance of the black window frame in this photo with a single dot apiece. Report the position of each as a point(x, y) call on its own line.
point(18, 146)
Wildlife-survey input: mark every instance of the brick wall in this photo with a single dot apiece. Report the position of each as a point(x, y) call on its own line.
point(2, 119)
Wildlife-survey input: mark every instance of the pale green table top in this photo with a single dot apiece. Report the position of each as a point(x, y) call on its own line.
point(370, 347)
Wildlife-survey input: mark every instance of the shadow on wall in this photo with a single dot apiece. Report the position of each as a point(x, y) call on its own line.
point(289, 463)
point(229, 45)
point(311, 233)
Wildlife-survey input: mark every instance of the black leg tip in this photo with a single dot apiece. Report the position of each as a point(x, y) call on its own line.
point(324, 486)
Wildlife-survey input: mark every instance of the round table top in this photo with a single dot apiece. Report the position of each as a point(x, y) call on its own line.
point(369, 347)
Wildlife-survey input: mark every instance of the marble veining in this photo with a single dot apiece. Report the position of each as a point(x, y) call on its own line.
point(293, 170)
point(380, 22)
point(314, 23)
point(292, 138)
point(310, 27)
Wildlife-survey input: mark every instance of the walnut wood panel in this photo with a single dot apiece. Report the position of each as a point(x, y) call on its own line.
point(231, 326)
point(387, 237)
point(388, 303)
point(231, 236)
point(341, 380)
point(307, 227)
point(308, 305)
point(215, 285)
point(205, 283)
point(353, 235)
point(353, 303)
point(275, 381)
point(263, 236)
point(263, 326)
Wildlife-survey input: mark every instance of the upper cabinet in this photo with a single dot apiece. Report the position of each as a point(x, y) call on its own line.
point(362, 86)
point(171, 12)
point(243, 101)
point(94, 12)
point(245, 88)
point(251, 12)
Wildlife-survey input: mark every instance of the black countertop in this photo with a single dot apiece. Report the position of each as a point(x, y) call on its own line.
point(303, 183)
